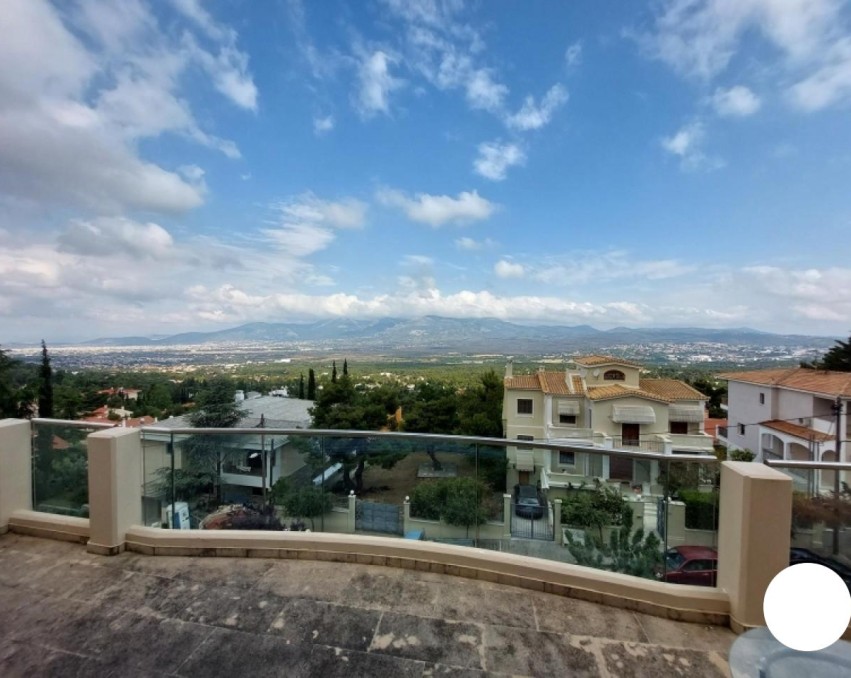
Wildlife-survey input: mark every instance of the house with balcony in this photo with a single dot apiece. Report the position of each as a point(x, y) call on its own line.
point(252, 463)
point(789, 414)
point(601, 402)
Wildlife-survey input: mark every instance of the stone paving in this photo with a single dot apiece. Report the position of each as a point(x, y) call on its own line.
point(65, 612)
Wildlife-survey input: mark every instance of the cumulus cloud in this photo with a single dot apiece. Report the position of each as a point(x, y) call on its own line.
point(508, 269)
point(71, 113)
point(376, 83)
point(108, 235)
point(533, 116)
point(737, 101)
point(495, 159)
point(471, 245)
point(437, 210)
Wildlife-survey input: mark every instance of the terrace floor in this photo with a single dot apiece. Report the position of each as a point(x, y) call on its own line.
point(65, 612)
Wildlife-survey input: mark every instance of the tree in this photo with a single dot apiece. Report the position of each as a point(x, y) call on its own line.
point(481, 408)
point(596, 509)
point(311, 384)
point(301, 386)
point(333, 371)
point(628, 551)
point(462, 502)
point(306, 501)
point(837, 358)
point(45, 385)
point(715, 391)
point(345, 367)
point(15, 396)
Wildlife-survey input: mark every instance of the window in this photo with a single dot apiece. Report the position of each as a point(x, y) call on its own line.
point(762, 398)
point(741, 429)
point(524, 406)
point(614, 375)
point(567, 419)
point(679, 427)
point(566, 458)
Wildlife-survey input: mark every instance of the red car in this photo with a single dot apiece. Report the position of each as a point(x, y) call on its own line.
point(695, 565)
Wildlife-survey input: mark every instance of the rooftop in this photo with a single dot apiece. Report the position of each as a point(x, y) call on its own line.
point(797, 431)
point(281, 412)
point(823, 382)
point(596, 360)
point(69, 612)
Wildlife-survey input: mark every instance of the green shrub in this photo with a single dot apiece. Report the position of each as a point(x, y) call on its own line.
point(456, 501)
point(595, 508)
point(701, 509)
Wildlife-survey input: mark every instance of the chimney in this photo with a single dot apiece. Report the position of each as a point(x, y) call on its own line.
point(509, 367)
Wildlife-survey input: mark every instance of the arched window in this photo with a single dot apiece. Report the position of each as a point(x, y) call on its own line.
point(614, 375)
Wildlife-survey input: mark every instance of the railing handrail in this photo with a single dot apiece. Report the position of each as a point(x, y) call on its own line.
point(433, 437)
point(69, 423)
point(800, 463)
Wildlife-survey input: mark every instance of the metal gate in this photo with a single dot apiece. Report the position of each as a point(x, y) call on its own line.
point(525, 525)
point(374, 517)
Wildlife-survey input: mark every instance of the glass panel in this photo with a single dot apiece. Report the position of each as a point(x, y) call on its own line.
point(61, 469)
point(821, 519)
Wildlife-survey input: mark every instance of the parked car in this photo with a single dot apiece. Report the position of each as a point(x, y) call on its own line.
point(527, 502)
point(695, 565)
point(800, 555)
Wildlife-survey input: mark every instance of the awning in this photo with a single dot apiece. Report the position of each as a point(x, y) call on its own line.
point(633, 414)
point(525, 460)
point(685, 413)
point(568, 407)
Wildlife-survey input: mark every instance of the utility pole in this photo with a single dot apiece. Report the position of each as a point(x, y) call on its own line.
point(837, 412)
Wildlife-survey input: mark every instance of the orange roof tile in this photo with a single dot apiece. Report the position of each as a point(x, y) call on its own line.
point(523, 382)
point(554, 383)
point(592, 360)
point(671, 389)
point(619, 391)
point(813, 381)
point(578, 385)
point(797, 431)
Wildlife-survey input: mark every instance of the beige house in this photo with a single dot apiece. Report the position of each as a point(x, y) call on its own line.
point(600, 402)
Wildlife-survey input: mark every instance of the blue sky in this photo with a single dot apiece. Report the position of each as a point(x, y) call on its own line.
point(180, 164)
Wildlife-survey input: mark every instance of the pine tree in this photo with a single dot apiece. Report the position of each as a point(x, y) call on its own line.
point(345, 367)
point(45, 386)
point(333, 371)
point(311, 385)
point(301, 386)
point(838, 358)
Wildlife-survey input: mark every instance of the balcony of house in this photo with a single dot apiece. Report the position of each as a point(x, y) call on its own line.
point(555, 431)
point(786, 441)
point(399, 502)
point(692, 443)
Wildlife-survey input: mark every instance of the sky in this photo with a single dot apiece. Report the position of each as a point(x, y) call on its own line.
point(179, 165)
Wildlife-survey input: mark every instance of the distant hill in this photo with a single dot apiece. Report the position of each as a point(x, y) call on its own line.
point(435, 333)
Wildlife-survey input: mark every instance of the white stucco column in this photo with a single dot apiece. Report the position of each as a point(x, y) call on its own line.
point(115, 488)
point(754, 523)
point(15, 469)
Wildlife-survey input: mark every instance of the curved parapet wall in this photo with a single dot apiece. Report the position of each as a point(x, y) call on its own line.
point(683, 603)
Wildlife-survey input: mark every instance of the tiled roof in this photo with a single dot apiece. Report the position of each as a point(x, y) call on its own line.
point(619, 391)
point(554, 383)
point(578, 386)
point(523, 382)
point(797, 431)
point(813, 381)
point(671, 389)
point(592, 360)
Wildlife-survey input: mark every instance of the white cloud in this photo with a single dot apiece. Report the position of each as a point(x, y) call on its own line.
point(323, 125)
point(483, 92)
point(573, 54)
point(495, 158)
point(71, 113)
point(699, 38)
point(106, 236)
point(508, 269)
point(437, 210)
point(471, 245)
point(687, 145)
point(376, 83)
point(737, 101)
point(586, 267)
point(532, 116)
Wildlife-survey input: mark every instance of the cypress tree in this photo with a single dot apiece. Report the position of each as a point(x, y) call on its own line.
point(45, 385)
point(345, 367)
point(311, 385)
point(333, 371)
point(301, 386)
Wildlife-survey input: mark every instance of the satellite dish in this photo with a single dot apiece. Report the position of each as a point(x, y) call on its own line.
point(596, 373)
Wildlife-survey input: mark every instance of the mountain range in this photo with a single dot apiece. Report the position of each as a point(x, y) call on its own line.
point(434, 333)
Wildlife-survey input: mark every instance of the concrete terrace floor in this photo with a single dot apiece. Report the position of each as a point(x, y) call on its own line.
point(65, 612)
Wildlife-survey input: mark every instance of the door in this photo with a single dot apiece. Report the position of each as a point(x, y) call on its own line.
point(630, 434)
point(523, 478)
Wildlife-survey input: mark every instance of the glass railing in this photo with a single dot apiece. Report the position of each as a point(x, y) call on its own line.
point(821, 513)
point(60, 466)
point(615, 510)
